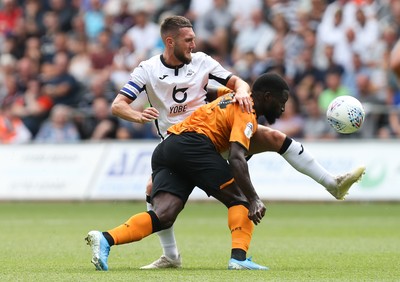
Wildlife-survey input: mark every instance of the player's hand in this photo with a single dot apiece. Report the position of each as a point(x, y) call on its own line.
point(149, 115)
point(256, 211)
point(244, 100)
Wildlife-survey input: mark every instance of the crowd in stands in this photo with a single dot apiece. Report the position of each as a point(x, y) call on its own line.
point(62, 62)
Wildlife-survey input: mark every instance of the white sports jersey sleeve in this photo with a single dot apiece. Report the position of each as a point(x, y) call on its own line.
point(174, 91)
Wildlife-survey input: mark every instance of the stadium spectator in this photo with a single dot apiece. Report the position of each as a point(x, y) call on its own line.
point(59, 127)
point(27, 69)
point(80, 65)
point(327, 61)
point(144, 28)
point(292, 43)
point(7, 68)
point(99, 86)
point(33, 18)
point(249, 35)
point(306, 70)
point(9, 90)
point(334, 88)
point(12, 129)
point(125, 59)
point(171, 7)
point(379, 60)
point(330, 16)
point(197, 9)
point(376, 120)
point(64, 12)
point(32, 51)
point(58, 84)
point(32, 107)
point(52, 26)
point(242, 12)
point(122, 20)
point(99, 124)
point(315, 125)
point(366, 32)
point(289, 10)
point(276, 61)
point(349, 78)
point(94, 20)
point(213, 29)
point(102, 54)
point(10, 14)
point(78, 30)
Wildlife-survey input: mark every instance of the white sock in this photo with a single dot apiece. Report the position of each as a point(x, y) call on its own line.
point(299, 158)
point(167, 239)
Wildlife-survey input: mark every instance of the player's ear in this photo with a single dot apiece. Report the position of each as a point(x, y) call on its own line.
point(267, 96)
point(169, 41)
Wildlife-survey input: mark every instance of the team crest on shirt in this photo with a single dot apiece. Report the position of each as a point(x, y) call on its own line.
point(190, 72)
point(248, 131)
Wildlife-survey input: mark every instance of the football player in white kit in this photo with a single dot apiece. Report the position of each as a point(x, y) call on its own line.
point(176, 84)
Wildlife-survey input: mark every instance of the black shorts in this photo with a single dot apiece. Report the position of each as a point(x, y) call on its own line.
point(182, 162)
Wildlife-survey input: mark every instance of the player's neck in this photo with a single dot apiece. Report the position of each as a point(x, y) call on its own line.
point(170, 60)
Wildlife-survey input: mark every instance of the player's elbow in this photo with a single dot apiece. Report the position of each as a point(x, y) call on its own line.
point(116, 107)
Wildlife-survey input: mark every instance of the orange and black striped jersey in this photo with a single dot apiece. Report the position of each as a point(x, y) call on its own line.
point(222, 121)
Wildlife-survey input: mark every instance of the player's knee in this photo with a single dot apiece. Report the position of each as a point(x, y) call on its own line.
point(167, 207)
point(165, 220)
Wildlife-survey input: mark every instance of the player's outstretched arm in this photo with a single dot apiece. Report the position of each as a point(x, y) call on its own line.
point(122, 109)
point(240, 171)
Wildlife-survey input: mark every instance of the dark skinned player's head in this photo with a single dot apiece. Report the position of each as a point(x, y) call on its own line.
point(270, 93)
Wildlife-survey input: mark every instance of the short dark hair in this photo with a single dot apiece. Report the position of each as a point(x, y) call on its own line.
point(270, 82)
point(172, 24)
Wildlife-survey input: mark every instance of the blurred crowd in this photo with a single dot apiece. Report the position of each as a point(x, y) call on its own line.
point(62, 62)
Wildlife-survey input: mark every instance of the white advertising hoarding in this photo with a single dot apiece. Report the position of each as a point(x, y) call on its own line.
point(120, 171)
point(123, 172)
point(47, 172)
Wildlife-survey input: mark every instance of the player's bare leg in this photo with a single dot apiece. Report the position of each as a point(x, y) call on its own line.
point(170, 257)
point(267, 139)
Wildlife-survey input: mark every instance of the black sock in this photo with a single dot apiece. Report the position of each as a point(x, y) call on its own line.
point(238, 254)
point(109, 238)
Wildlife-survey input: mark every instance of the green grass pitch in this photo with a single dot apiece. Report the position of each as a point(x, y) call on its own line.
point(341, 241)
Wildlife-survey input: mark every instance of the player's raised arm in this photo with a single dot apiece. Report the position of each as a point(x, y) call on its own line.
point(121, 108)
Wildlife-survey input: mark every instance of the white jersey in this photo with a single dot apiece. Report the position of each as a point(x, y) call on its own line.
point(174, 91)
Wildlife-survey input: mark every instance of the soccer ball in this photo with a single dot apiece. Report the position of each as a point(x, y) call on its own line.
point(345, 114)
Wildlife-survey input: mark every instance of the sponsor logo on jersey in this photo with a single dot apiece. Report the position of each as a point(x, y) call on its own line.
point(162, 77)
point(225, 101)
point(177, 109)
